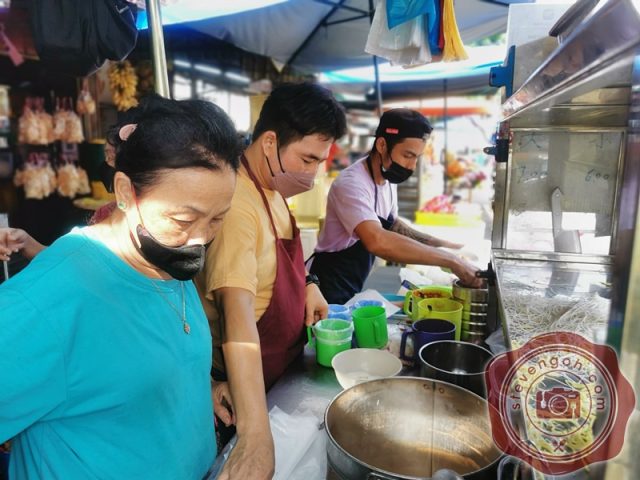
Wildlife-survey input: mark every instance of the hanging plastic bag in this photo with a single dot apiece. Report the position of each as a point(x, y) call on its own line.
point(37, 177)
point(401, 11)
point(59, 122)
point(45, 125)
point(404, 45)
point(85, 105)
point(73, 125)
point(27, 124)
point(72, 180)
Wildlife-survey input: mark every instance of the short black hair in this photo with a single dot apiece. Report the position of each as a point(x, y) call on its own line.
point(294, 111)
point(174, 134)
point(391, 140)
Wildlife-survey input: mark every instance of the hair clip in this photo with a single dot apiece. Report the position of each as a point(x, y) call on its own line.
point(125, 131)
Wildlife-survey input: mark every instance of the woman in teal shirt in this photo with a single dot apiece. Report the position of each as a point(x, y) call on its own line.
point(105, 351)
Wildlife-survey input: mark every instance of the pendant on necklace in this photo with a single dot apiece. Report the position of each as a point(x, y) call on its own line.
point(186, 328)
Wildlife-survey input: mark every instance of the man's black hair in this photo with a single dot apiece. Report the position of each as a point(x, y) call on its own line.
point(294, 111)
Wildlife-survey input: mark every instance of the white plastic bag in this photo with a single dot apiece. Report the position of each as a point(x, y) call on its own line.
point(374, 295)
point(405, 45)
point(313, 465)
point(292, 437)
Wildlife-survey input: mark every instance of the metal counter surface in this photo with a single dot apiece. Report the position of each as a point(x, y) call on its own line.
point(304, 386)
point(307, 386)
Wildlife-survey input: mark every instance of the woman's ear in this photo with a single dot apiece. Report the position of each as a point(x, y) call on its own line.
point(123, 190)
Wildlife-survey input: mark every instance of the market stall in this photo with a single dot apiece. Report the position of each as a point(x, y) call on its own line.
point(566, 188)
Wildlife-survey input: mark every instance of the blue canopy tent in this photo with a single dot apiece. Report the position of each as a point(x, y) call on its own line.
point(315, 36)
point(469, 76)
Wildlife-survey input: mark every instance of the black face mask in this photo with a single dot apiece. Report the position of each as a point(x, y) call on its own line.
point(107, 172)
point(396, 173)
point(182, 263)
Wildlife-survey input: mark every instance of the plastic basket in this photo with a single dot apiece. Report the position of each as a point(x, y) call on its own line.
point(446, 219)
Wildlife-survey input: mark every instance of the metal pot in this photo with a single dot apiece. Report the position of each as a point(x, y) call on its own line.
point(479, 307)
point(404, 428)
point(459, 363)
point(470, 295)
point(475, 327)
point(473, 338)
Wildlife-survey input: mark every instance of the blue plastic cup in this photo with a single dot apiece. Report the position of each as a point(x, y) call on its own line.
point(335, 308)
point(368, 303)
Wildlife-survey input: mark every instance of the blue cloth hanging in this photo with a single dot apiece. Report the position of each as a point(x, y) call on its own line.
point(401, 11)
point(434, 28)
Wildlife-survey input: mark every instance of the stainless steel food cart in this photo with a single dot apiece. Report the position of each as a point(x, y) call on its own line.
point(568, 184)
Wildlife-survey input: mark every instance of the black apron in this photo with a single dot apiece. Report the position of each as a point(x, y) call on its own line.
point(342, 274)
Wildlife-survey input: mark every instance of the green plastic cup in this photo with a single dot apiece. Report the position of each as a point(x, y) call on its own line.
point(328, 338)
point(442, 308)
point(330, 329)
point(370, 325)
point(327, 349)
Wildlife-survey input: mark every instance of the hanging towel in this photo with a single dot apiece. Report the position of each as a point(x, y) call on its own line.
point(453, 46)
point(406, 44)
point(435, 29)
point(441, 28)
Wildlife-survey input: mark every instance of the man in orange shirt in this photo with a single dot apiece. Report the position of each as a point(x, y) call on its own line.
point(255, 289)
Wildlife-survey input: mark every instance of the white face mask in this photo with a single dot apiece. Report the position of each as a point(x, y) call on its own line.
point(290, 183)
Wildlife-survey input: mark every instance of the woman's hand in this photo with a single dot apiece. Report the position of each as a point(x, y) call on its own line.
point(14, 240)
point(222, 402)
point(316, 307)
point(251, 459)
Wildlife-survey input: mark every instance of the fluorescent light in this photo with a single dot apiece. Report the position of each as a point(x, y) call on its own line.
point(182, 64)
point(207, 69)
point(237, 77)
point(352, 97)
point(194, 10)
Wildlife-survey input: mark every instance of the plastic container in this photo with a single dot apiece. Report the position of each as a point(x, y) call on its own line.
point(446, 219)
point(410, 306)
point(370, 325)
point(330, 329)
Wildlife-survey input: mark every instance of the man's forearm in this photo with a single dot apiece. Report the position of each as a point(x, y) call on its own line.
point(405, 230)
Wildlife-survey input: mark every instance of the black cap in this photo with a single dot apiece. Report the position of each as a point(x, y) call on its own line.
point(403, 123)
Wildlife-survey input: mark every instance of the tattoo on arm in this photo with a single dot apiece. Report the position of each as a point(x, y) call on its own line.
point(405, 230)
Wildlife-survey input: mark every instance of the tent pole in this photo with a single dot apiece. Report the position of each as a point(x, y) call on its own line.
point(157, 48)
point(446, 134)
point(376, 70)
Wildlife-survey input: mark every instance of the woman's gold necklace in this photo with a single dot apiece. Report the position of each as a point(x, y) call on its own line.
point(185, 325)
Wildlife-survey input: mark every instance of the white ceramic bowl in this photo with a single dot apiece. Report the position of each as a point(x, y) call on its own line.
point(362, 364)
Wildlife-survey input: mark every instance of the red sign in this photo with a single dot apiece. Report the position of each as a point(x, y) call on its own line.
point(559, 403)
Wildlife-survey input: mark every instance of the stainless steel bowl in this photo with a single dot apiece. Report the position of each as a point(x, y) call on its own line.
point(478, 307)
point(476, 327)
point(475, 338)
point(409, 428)
point(459, 363)
point(474, 317)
